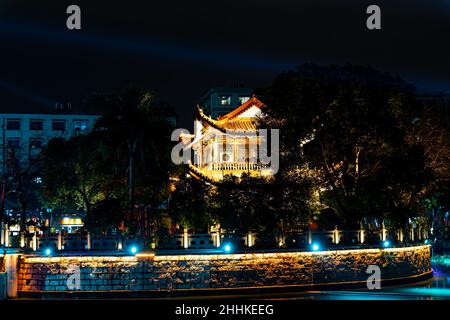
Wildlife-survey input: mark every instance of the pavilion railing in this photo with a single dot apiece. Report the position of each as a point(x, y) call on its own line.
point(238, 166)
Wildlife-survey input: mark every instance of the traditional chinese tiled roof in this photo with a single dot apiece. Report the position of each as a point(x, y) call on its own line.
point(252, 102)
point(230, 121)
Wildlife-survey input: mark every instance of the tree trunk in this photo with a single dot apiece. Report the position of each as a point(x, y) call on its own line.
point(131, 200)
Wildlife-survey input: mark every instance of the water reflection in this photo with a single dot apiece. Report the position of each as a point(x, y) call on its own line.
point(437, 288)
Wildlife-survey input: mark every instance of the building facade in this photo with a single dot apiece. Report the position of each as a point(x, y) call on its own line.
point(227, 145)
point(24, 135)
point(222, 100)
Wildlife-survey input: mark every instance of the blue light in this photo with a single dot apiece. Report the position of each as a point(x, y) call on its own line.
point(315, 247)
point(133, 249)
point(48, 251)
point(227, 247)
point(386, 243)
point(427, 241)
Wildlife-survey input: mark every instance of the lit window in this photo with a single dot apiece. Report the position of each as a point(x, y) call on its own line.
point(80, 125)
point(58, 125)
point(224, 100)
point(36, 125)
point(243, 99)
point(12, 124)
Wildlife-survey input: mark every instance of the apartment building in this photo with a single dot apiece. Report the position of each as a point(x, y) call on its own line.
point(27, 134)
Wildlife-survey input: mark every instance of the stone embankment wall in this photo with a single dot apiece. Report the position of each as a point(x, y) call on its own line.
point(176, 272)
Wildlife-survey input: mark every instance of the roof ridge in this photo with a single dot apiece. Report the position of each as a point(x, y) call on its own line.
point(253, 101)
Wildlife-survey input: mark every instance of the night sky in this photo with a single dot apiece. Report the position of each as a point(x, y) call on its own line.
point(182, 48)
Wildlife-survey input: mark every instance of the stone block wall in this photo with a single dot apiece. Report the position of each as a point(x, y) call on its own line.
point(148, 272)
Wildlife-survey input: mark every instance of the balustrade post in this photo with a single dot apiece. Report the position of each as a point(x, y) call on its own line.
point(383, 232)
point(281, 240)
point(218, 238)
point(34, 244)
point(2, 234)
point(400, 235)
point(11, 262)
point(88, 240)
point(185, 239)
point(361, 234)
point(22, 239)
point(6, 237)
point(250, 240)
point(59, 241)
point(336, 235)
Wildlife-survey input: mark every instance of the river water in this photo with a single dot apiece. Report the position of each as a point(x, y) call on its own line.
point(436, 288)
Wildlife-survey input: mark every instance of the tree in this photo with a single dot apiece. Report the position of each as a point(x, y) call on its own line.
point(134, 135)
point(105, 216)
point(191, 204)
point(20, 184)
point(71, 177)
point(262, 205)
point(348, 126)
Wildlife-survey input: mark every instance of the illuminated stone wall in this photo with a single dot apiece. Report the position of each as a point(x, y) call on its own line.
point(220, 271)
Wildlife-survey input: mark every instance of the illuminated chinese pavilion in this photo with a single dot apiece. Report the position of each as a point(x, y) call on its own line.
point(228, 145)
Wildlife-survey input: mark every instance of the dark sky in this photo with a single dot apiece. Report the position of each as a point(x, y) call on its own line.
point(182, 48)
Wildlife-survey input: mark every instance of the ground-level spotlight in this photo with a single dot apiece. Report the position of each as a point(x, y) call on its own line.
point(227, 248)
point(386, 244)
point(48, 251)
point(315, 247)
point(134, 249)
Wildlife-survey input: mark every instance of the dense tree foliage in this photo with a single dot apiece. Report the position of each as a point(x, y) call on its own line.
point(351, 128)
point(355, 144)
point(124, 160)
